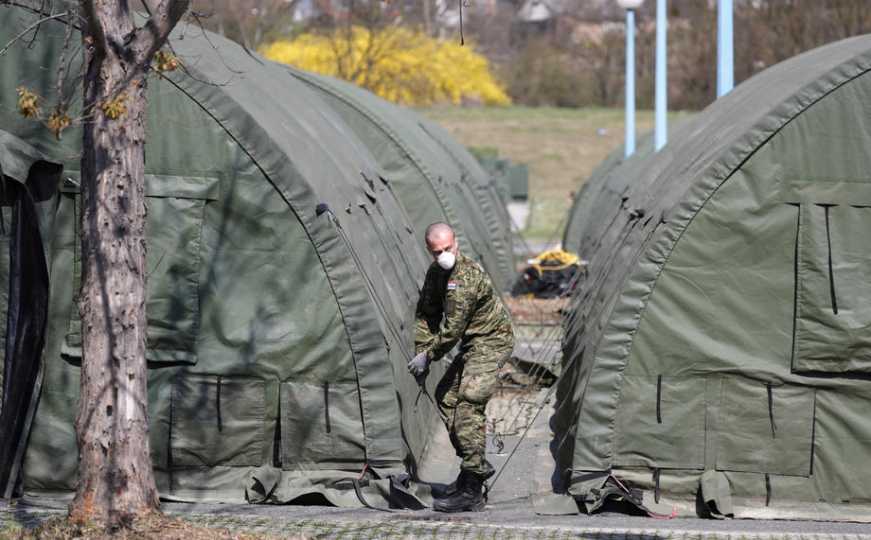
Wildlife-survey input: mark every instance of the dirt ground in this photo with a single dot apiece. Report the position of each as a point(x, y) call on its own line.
point(153, 527)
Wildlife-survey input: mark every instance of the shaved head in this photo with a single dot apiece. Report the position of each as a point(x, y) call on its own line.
point(438, 231)
point(440, 238)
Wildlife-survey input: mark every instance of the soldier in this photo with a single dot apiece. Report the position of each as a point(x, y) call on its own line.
point(459, 305)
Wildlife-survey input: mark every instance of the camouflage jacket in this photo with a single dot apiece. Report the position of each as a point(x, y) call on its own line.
point(460, 306)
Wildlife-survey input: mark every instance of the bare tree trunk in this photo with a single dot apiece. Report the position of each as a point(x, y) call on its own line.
point(427, 17)
point(116, 481)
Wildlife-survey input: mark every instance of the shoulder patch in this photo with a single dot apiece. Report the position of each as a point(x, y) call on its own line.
point(452, 285)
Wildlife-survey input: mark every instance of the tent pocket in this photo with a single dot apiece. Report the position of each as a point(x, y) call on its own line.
point(661, 423)
point(216, 421)
point(833, 289)
point(176, 207)
point(321, 424)
point(765, 429)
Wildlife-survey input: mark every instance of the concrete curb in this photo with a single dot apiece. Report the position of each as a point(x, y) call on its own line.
point(451, 530)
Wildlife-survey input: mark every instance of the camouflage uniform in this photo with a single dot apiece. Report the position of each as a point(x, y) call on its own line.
point(462, 306)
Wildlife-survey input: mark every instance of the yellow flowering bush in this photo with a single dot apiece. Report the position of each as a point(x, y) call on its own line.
point(398, 64)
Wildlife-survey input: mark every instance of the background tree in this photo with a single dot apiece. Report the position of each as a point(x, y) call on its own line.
point(249, 22)
point(116, 481)
point(576, 59)
point(399, 64)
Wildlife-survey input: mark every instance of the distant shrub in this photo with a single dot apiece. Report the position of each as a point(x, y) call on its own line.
point(401, 65)
point(560, 74)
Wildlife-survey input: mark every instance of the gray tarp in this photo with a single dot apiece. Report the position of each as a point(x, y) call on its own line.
point(283, 276)
point(723, 325)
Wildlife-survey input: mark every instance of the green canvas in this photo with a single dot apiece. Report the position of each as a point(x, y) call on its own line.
point(432, 180)
point(723, 325)
point(284, 267)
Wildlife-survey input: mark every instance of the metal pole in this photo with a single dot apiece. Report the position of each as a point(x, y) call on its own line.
point(661, 129)
point(725, 48)
point(630, 82)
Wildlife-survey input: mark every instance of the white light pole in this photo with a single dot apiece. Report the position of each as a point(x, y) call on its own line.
point(725, 48)
point(660, 134)
point(630, 6)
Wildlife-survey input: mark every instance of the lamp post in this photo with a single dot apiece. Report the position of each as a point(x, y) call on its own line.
point(630, 6)
point(725, 48)
point(660, 134)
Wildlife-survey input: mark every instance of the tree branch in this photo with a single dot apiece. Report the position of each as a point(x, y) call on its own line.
point(36, 32)
point(62, 66)
point(31, 27)
point(94, 28)
point(165, 15)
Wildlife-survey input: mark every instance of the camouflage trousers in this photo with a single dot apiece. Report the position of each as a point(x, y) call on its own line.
point(462, 394)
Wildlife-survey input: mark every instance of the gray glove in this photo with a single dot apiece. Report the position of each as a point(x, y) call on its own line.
point(418, 365)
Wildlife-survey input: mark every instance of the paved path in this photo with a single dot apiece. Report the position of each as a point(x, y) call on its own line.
point(505, 519)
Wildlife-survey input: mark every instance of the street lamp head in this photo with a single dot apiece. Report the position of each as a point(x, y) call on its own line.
point(630, 4)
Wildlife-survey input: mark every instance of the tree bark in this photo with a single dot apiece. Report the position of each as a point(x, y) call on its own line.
point(426, 5)
point(116, 481)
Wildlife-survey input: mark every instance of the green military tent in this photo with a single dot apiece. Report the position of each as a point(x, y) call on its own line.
point(430, 182)
point(719, 347)
point(609, 179)
point(283, 277)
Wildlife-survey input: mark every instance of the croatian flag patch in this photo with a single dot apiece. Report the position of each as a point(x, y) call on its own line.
point(452, 285)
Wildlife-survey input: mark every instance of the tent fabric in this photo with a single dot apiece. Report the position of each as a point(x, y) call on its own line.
point(431, 185)
point(283, 275)
point(722, 323)
point(607, 178)
point(24, 176)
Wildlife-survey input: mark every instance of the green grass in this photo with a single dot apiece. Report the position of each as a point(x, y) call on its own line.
point(561, 147)
point(547, 218)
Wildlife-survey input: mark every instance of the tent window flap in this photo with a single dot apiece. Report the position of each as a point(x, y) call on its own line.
point(833, 289)
point(176, 207)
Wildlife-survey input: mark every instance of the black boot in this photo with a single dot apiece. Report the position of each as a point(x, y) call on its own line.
point(446, 491)
point(468, 498)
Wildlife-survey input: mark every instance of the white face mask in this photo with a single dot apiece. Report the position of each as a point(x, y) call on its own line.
point(446, 260)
